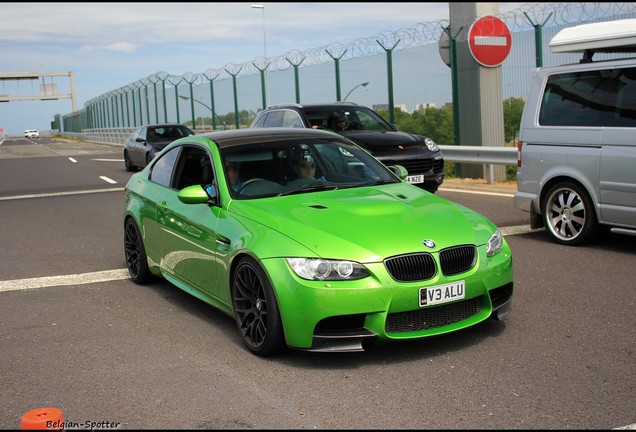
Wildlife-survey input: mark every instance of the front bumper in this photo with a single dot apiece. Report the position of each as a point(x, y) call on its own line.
point(344, 316)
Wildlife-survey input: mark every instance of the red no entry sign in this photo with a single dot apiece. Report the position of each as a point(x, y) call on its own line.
point(489, 41)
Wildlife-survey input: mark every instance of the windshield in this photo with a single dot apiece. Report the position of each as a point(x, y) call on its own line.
point(170, 133)
point(299, 166)
point(346, 119)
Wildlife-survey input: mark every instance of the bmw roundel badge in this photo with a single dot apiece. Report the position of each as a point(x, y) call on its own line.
point(429, 244)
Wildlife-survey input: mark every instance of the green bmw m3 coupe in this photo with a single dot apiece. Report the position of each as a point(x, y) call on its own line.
point(311, 243)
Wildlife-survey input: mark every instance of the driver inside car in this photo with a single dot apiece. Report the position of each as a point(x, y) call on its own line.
point(233, 169)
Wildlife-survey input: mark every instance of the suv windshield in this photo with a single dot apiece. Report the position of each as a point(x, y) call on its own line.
point(346, 118)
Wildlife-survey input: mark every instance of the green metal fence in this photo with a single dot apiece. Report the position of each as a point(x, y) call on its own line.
point(402, 68)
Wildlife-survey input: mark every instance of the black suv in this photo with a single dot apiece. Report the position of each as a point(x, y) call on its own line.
point(418, 154)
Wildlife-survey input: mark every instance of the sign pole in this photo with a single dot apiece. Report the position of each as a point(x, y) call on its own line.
point(480, 51)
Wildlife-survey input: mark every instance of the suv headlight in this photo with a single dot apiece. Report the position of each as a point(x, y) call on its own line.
point(431, 144)
point(495, 243)
point(324, 269)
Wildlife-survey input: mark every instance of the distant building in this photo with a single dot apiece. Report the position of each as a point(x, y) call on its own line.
point(385, 107)
point(423, 106)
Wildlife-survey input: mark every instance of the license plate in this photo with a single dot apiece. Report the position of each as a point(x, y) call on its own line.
point(415, 178)
point(442, 293)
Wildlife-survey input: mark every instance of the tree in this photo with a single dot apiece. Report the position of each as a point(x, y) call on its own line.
point(434, 123)
point(513, 107)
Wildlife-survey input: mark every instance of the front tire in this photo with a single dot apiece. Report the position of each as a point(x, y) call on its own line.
point(569, 214)
point(135, 252)
point(256, 309)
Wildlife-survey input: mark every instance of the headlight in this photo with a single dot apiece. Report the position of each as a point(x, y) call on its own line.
point(495, 243)
point(431, 144)
point(322, 269)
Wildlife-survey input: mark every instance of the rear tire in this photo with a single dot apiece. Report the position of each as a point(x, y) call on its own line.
point(135, 252)
point(128, 163)
point(569, 214)
point(256, 309)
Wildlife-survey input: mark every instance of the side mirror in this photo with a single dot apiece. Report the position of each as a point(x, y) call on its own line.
point(399, 171)
point(195, 194)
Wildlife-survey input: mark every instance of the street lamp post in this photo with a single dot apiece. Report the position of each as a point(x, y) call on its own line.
point(262, 8)
point(213, 113)
point(351, 91)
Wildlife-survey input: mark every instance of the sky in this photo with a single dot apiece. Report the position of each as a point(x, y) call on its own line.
point(110, 45)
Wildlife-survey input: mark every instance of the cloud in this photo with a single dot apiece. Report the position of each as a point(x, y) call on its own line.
point(111, 44)
point(123, 47)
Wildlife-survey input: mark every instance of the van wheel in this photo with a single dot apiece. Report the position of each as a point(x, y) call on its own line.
point(569, 214)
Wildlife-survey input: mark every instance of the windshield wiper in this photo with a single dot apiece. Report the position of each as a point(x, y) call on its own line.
point(376, 182)
point(310, 188)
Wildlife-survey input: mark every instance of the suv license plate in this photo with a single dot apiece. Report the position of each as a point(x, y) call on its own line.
point(442, 293)
point(415, 178)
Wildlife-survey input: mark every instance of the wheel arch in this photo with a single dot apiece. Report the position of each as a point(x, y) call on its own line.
point(279, 343)
point(150, 255)
point(235, 262)
point(591, 192)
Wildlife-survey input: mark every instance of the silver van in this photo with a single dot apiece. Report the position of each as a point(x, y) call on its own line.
point(577, 139)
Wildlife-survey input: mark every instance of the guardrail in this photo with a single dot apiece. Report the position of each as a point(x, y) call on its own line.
point(104, 136)
point(488, 156)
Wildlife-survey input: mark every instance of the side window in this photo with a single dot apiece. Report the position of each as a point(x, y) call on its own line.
point(194, 167)
point(274, 119)
point(578, 99)
point(317, 118)
point(625, 115)
point(291, 119)
point(163, 168)
point(260, 121)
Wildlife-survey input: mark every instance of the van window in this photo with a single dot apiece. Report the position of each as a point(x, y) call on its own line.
point(591, 98)
point(625, 115)
point(577, 99)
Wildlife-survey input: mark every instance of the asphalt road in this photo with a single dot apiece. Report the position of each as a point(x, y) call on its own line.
point(78, 335)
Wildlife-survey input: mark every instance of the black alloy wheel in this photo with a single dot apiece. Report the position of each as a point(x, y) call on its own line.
point(135, 252)
point(256, 310)
point(128, 163)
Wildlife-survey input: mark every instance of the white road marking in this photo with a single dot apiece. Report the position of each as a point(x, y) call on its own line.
point(74, 279)
point(515, 230)
point(72, 160)
point(626, 427)
point(44, 195)
point(108, 180)
point(501, 194)
point(119, 274)
point(108, 160)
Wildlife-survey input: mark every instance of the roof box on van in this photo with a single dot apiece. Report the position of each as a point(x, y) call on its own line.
point(609, 36)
